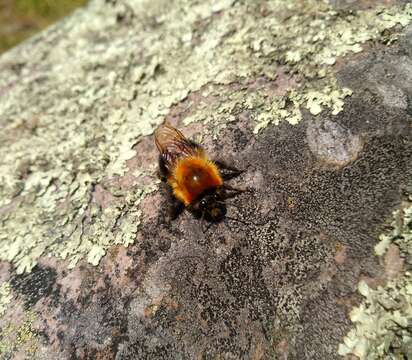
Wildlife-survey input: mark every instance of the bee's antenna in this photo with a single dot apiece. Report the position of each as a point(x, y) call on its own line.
point(227, 204)
point(234, 219)
point(232, 204)
point(202, 224)
point(226, 223)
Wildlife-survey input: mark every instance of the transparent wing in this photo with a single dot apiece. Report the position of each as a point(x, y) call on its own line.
point(172, 145)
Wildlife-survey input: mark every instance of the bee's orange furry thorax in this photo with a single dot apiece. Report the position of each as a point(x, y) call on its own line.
point(192, 176)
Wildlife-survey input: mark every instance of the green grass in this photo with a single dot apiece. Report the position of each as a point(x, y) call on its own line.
point(20, 19)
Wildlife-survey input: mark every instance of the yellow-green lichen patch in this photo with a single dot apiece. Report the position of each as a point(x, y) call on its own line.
point(309, 42)
point(5, 297)
point(83, 131)
point(383, 319)
point(19, 339)
point(78, 98)
point(307, 38)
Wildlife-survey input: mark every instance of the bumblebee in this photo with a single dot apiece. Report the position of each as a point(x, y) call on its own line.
point(196, 183)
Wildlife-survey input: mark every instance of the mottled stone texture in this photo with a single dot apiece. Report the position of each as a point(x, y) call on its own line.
point(275, 280)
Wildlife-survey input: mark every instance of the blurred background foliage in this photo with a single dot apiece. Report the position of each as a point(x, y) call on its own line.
point(20, 19)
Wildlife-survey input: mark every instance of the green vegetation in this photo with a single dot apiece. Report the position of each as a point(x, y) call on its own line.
point(20, 19)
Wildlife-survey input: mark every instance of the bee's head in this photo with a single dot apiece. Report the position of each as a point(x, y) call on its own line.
point(211, 205)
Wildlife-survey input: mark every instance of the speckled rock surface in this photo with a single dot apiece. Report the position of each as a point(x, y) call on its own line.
point(312, 99)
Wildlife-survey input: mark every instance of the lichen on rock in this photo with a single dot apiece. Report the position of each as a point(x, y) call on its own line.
point(384, 317)
point(20, 339)
point(77, 99)
point(5, 297)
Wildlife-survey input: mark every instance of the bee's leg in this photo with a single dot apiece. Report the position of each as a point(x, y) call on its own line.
point(228, 171)
point(194, 144)
point(203, 225)
point(234, 188)
point(175, 209)
point(234, 191)
point(172, 207)
point(162, 172)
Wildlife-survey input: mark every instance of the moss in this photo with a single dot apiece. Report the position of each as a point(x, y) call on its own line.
point(384, 317)
point(22, 18)
point(71, 117)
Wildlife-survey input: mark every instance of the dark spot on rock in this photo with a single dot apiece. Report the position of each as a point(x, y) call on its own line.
point(35, 285)
point(409, 105)
point(164, 244)
point(241, 138)
point(60, 335)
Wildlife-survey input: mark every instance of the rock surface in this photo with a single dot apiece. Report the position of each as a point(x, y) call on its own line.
point(312, 99)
